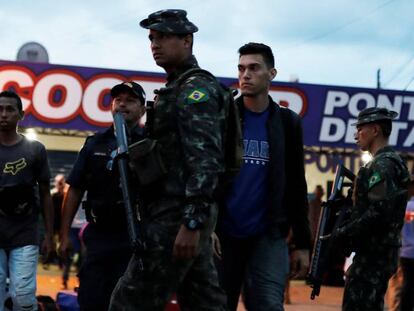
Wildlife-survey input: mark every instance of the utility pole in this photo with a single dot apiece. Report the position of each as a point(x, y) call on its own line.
point(378, 78)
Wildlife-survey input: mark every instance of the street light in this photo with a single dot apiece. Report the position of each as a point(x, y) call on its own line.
point(366, 157)
point(30, 134)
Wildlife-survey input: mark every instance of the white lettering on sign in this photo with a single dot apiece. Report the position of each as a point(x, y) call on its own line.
point(360, 101)
point(291, 98)
point(60, 95)
point(336, 129)
point(17, 77)
point(409, 100)
point(335, 99)
point(70, 90)
point(396, 127)
point(409, 141)
point(93, 99)
point(350, 131)
point(149, 86)
point(332, 129)
point(385, 102)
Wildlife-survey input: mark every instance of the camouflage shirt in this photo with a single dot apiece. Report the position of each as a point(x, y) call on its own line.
point(380, 196)
point(188, 125)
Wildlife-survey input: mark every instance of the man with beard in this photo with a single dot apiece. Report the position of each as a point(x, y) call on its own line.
point(106, 237)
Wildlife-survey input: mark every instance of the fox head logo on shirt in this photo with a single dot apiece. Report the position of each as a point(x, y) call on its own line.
point(15, 166)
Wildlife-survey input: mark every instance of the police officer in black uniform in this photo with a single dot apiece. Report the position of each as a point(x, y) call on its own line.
point(106, 238)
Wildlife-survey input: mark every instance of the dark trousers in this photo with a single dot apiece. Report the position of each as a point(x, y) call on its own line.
point(194, 281)
point(407, 291)
point(107, 256)
point(367, 280)
point(67, 263)
point(260, 264)
point(232, 267)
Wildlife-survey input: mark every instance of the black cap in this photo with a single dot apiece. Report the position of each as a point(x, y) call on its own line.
point(370, 115)
point(169, 21)
point(131, 87)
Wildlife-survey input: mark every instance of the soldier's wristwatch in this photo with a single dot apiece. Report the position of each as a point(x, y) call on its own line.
point(193, 224)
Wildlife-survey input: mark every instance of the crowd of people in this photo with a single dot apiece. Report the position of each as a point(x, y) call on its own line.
point(205, 241)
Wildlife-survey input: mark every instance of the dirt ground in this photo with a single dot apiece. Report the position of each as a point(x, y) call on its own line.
point(49, 282)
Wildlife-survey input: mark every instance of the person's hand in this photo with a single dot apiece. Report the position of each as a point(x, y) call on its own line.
point(48, 248)
point(300, 263)
point(216, 245)
point(65, 248)
point(186, 243)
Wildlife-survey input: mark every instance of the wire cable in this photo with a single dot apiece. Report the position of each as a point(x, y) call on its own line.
point(338, 28)
point(399, 70)
point(408, 84)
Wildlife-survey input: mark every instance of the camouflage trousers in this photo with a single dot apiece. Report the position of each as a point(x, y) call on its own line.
point(367, 281)
point(194, 281)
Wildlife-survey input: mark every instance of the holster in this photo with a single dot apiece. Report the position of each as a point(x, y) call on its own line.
point(145, 161)
point(103, 213)
point(89, 214)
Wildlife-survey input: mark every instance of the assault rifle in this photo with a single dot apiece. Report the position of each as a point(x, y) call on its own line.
point(131, 209)
point(333, 213)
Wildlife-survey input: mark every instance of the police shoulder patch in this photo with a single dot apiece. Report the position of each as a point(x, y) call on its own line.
point(374, 179)
point(197, 96)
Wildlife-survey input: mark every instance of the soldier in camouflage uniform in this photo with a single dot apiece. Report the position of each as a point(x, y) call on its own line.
point(373, 231)
point(180, 213)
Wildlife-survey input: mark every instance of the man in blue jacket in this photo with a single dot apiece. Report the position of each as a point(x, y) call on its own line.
point(269, 196)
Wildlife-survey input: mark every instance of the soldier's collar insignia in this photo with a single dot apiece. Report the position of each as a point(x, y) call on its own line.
point(374, 179)
point(197, 96)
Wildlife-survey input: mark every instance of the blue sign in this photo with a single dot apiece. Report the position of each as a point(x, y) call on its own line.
point(72, 97)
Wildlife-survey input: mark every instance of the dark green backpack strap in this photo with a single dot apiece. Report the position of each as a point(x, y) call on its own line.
point(191, 72)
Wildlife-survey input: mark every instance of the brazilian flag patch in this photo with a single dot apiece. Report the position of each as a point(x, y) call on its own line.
point(197, 96)
point(374, 179)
